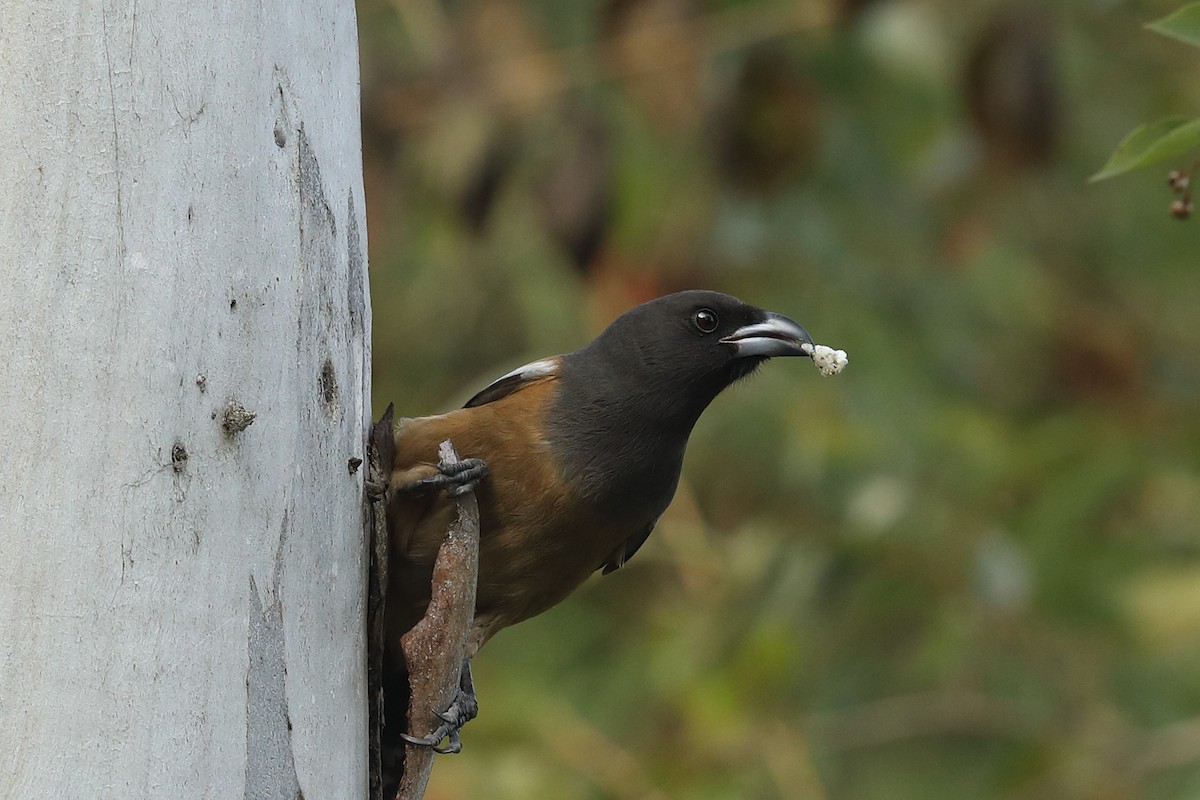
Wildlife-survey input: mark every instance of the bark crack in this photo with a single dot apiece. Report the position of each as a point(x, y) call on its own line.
point(116, 139)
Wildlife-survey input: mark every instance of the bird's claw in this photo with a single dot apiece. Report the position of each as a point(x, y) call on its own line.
point(431, 741)
point(460, 712)
point(463, 476)
point(457, 479)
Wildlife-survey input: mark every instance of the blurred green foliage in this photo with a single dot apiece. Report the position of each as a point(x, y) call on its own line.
point(968, 567)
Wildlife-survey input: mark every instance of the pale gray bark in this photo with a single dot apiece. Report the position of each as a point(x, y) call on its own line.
point(181, 227)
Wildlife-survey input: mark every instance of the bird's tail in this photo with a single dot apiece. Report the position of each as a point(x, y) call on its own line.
point(395, 722)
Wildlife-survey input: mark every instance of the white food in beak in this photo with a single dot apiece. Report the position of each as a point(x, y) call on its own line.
point(828, 360)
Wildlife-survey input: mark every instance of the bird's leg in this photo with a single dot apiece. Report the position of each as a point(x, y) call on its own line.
point(457, 478)
point(462, 710)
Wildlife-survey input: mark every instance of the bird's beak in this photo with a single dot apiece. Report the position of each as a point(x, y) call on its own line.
point(775, 336)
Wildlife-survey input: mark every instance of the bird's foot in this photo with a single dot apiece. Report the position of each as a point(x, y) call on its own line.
point(462, 710)
point(458, 478)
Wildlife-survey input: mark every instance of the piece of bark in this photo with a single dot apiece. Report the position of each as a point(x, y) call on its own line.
point(381, 454)
point(435, 647)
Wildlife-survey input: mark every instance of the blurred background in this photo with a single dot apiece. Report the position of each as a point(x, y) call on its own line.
point(969, 566)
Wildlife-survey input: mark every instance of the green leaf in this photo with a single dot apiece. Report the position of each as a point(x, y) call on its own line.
point(1183, 24)
point(1150, 144)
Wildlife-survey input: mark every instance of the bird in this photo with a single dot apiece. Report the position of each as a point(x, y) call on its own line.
point(573, 459)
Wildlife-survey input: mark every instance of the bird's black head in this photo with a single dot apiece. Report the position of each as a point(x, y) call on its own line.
point(671, 356)
point(627, 401)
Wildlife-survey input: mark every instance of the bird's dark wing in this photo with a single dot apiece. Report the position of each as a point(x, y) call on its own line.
point(625, 550)
point(519, 378)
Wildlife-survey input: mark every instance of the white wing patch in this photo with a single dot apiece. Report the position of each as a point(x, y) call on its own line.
point(509, 383)
point(531, 371)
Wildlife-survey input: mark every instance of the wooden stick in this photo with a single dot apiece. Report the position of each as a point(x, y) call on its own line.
point(435, 647)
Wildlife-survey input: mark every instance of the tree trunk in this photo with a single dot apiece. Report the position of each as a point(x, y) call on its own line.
point(182, 246)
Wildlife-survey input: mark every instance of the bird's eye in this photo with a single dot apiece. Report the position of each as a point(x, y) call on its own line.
point(705, 320)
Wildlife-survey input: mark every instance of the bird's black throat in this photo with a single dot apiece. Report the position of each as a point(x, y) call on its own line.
point(620, 429)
